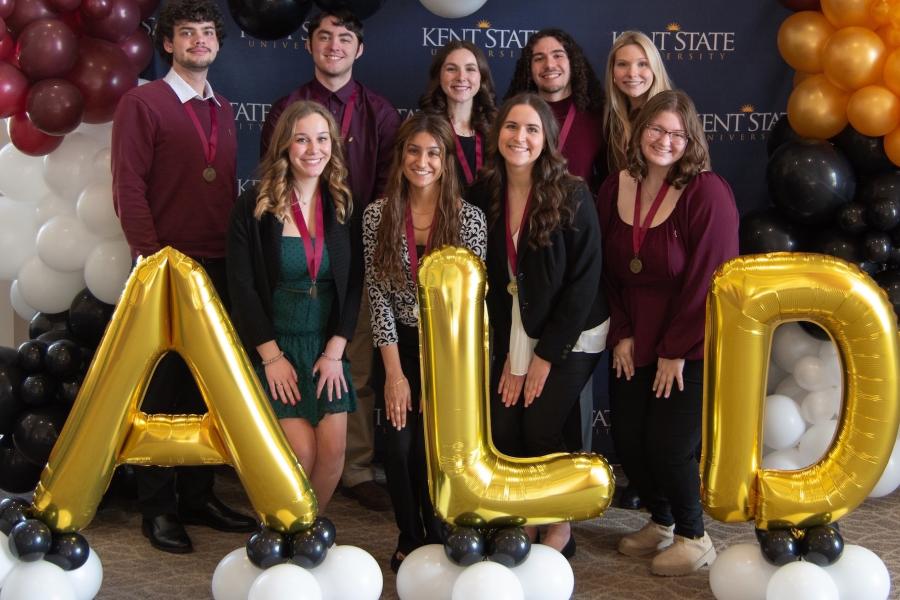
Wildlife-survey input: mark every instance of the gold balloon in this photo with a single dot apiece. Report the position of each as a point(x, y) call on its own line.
point(470, 482)
point(892, 146)
point(749, 297)
point(874, 110)
point(891, 72)
point(853, 57)
point(168, 305)
point(800, 77)
point(817, 109)
point(890, 35)
point(801, 39)
point(844, 13)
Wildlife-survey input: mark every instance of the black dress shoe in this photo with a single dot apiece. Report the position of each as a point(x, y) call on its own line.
point(213, 513)
point(568, 550)
point(166, 533)
point(630, 499)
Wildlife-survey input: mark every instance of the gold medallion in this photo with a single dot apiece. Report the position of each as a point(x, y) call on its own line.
point(635, 265)
point(209, 174)
point(313, 293)
point(513, 288)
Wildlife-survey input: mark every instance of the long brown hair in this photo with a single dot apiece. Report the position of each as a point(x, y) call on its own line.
point(551, 183)
point(389, 248)
point(275, 178)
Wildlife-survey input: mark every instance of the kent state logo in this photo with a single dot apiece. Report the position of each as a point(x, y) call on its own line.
point(676, 44)
point(745, 125)
point(293, 42)
point(496, 42)
point(250, 116)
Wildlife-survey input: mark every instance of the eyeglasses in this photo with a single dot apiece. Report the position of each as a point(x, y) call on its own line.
point(678, 138)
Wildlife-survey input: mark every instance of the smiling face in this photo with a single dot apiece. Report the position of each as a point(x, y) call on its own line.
point(333, 48)
point(194, 45)
point(550, 69)
point(422, 161)
point(460, 77)
point(521, 138)
point(664, 140)
point(310, 148)
point(632, 73)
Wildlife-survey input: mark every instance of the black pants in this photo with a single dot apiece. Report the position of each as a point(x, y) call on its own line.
point(172, 391)
point(553, 421)
point(657, 439)
point(404, 455)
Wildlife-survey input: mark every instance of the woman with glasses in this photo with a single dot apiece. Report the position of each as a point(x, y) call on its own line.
point(668, 222)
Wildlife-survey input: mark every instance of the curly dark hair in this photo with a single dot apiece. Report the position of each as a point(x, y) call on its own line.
point(551, 183)
point(587, 91)
point(191, 11)
point(434, 100)
point(343, 18)
point(696, 153)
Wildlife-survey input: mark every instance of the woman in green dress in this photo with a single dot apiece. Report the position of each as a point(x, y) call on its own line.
point(295, 278)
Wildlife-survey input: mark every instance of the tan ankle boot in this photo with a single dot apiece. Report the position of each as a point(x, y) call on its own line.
point(684, 556)
point(649, 539)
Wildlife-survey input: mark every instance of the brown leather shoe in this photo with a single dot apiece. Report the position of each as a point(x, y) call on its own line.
point(370, 495)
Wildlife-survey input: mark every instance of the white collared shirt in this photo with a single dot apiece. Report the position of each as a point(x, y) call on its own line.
point(185, 92)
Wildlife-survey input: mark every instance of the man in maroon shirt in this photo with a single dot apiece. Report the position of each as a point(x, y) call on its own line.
point(368, 126)
point(173, 162)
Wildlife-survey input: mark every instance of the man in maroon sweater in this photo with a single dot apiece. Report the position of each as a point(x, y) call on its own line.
point(368, 126)
point(173, 162)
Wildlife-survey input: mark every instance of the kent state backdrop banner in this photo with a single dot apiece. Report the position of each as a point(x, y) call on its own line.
point(722, 53)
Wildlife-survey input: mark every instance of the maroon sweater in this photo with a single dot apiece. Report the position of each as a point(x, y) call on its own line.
point(157, 164)
point(584, 147)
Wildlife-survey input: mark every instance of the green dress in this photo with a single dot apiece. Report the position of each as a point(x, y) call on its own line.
point(300, 321)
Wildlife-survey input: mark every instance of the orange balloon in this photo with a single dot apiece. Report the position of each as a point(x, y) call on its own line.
point(800, 77)
point(880, 11)
point(892, 146)
point(891, 72)
point(817, 108)
point(890, 35)
point(853, 58)
point(874, 110)
point(801, 38)
point(844, 13)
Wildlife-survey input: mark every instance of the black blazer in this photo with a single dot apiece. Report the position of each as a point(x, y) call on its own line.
point(254, 268)
point(560, 292)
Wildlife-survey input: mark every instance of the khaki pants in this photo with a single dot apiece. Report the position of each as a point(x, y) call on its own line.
point(361, 424)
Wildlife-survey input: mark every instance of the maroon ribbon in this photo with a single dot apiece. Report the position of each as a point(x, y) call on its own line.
point(314, 249)
point(463, 163)
point(209, 144)
point(511, 253)
point(638, 229)
point(567, 127)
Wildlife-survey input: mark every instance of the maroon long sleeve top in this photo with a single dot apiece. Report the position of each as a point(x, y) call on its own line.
point(584, 146)
point(664, 306)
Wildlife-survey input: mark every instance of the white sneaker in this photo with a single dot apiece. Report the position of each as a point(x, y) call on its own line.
point(649, 539)
point(684, 556)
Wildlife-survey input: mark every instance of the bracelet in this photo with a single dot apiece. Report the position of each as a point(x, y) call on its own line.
point(398, 382)
point(274, 359)
point(323, 355)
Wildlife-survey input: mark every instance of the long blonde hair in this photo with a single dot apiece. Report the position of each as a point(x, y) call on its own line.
point(275, 178)
point(616, 114)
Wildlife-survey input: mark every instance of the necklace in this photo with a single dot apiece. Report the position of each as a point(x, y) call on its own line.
point(426, 228)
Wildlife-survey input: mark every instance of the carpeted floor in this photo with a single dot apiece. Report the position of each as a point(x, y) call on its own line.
point(135, 571)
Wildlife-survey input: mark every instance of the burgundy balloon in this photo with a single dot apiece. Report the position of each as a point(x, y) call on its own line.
point(7, 46)
point(138, 47)
point(147, 8)
point(55, 106)
point(64, 5)
point(123, 18)
point(29, 139)
point(798, 5)
point(13, 88)
point(47, 48)
point(6, 8)
point(26, 11)
point(103, 74)
point(3, 30)
point(96, 9)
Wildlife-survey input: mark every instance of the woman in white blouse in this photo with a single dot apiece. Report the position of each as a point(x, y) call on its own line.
point(422, 210)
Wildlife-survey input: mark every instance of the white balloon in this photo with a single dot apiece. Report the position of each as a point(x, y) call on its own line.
point(234, 575)
point(487, 581)
point(427, 574)
point(860, 574)
point(46, 289)
point(349, 572)
point(106, 270)
point(810, 373)
point(790, 343)
point(102, 164)
point(545, 574)
point(21, 176)
point(18, 228)
point(801, 581)
point(4, 132)
point(101, 132)
point(790, 388)
point(782, 425)
point(453, 9)
point(821, 405)
point(740, 573)
point(890, 479)
point(69, 168)
point(7, 560)
point(63, 243)
point(39, 579)
point(50, 205)
point(816, 441)
point(285, 581)
point(87, 579)
point(788, 459)
point(776, 375)
point(95, 209)
point(18, 302)
point(828, 352)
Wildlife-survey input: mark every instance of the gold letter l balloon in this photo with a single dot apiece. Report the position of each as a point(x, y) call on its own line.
point(749, 297)
point(169, 304)
point(470, 482)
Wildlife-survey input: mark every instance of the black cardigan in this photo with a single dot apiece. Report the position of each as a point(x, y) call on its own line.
point(254, 269)
point(560, 291)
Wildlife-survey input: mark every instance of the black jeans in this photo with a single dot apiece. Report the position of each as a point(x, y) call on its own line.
point(161, 490)
point(404, 454)
point(657, 439)
point(553, 421)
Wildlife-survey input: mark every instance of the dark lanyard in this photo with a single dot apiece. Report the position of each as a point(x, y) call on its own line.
point(567, 127)
point(411, 243)
point(638, 229)
point(463, 163)
point(314, 248)
point(511, 253)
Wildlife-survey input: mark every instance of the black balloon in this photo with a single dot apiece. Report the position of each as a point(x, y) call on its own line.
point(890, 283)
point(307, 549)
point(10, 401)
point(465, 546)
point(837, 243)
point(88, 318)
point(809, 181)
point(884, 214)
point(767, 230)
point(17, 474)
point(267, 548)
point(44, 322)
point(779, 546)
point(54, 335)
point(865, 153)
point(852, 218)
point(68, 551)
point(38, 389)
point(881, 196)
point(877, 246)
point(324, 529)
point(361, 8)
point(8, 356)
point(37, 432)
point(63, 359)
point(269, 19)
point(12, 515)
point(509, 547)
point(781, 133)
point(87, 355)
point(67, 390)
point(822, 545)
point(30, 540)
point(31, 356)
